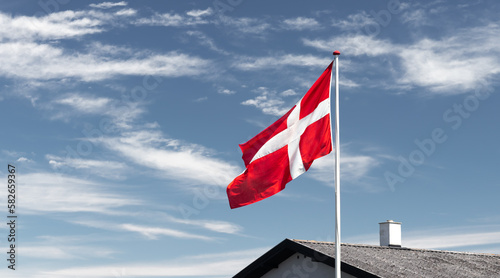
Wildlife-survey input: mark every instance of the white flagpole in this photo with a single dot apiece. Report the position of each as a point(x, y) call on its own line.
point(337, 168)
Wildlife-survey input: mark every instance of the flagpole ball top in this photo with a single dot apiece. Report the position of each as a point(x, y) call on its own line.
point(336, 52)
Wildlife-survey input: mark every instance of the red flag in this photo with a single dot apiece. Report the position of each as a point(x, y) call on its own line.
point(287, 148)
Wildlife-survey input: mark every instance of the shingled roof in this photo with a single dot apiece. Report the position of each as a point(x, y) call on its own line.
point(377, 261)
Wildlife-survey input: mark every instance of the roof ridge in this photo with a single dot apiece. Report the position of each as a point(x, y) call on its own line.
point(394, 248)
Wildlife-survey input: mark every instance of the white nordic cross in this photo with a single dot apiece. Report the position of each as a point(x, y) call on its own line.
point(291, 136)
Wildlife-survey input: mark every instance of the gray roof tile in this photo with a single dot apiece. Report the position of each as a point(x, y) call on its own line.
point(392, 262)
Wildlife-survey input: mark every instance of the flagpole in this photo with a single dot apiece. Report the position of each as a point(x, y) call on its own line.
point(336, 54)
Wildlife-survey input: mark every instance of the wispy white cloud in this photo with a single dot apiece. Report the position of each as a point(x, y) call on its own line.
point(218, 226)
point(212, 225)
point(23, 159)
point(192, 18)
point(245, 25)
point(452, 241)
point(58, 25)
point(66, 24)
point(85, 104)
point(205, 265)
point(116, 114)
point(417, 17)
point(270, 102)
point(449, 65)
point(13, 154)
point(236, 25)
point(346, 82)
point(452, 65)
point(356, 170)
point(50, 192)
point(57, 251)
point(126, 12)
point(142, 144)
point(69, 247)
point(111, 51)
point(201, 99)
point(203, 39)
point(46, 252)
point(107, 5)
point(200, 13)
point(164, 219)
point(225, 91)
point(121, 115)
point(301, 23)
point(354, 22)
point(187, 163)
point(149, 232)
point(355, 45)
point(44, 62)
point(103, 168)
point(469, 4)
point(288, 92)
point(247, 63)
point(155, 232)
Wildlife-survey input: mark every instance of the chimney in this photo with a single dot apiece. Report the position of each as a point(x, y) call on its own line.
point(390, 233)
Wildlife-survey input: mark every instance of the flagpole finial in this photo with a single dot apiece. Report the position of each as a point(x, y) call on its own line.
point(336, 52)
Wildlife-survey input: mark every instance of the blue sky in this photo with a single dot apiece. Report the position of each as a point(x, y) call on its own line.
point(124, 119)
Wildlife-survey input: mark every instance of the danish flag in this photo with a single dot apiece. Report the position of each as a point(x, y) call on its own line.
point(287, 148)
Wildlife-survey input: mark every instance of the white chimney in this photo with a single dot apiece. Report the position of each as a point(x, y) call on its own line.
point(390, 233)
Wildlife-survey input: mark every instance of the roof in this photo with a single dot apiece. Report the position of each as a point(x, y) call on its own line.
point(378, 261)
